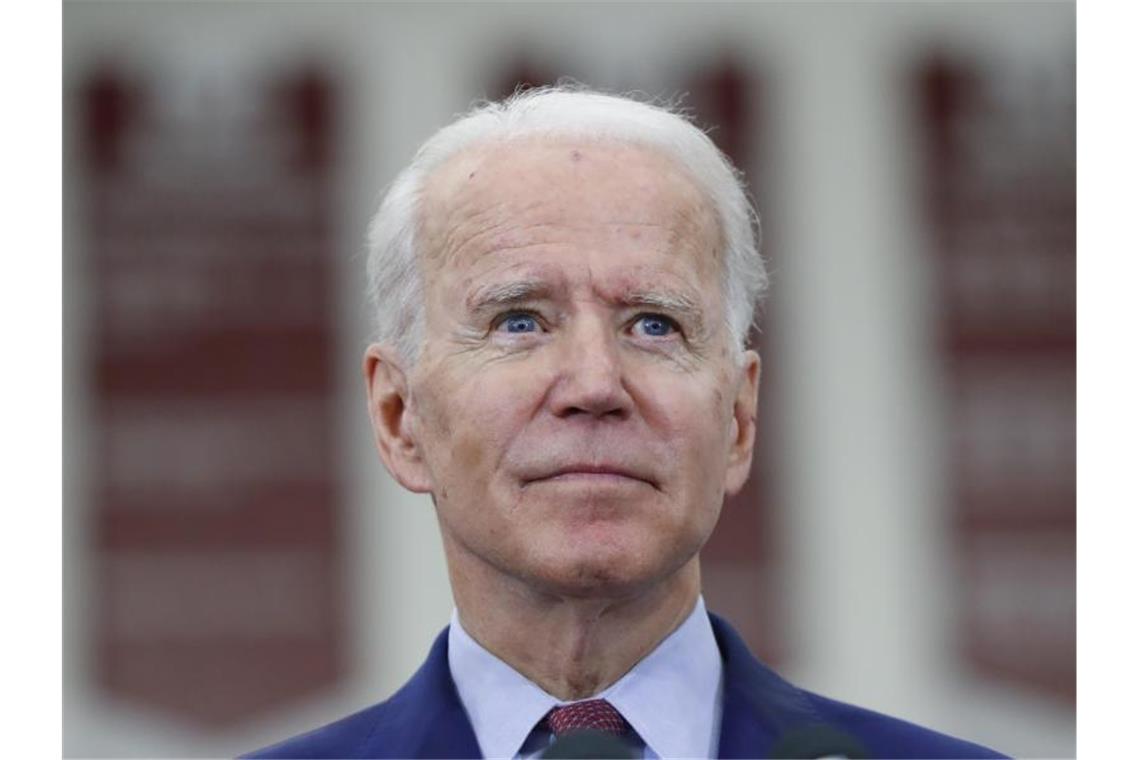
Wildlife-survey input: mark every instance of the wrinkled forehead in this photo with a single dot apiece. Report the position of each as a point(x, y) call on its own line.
point(559, 180)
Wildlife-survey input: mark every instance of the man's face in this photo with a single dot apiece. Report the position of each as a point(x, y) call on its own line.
point(577, 411)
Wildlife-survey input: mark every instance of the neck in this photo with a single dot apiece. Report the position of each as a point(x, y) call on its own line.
point(572, 647)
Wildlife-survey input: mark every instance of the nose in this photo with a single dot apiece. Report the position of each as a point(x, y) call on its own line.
point(591, 381)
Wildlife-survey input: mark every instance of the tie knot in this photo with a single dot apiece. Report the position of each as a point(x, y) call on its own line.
point(595, 714)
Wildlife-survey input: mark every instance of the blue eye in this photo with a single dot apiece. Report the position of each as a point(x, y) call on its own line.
point(519, 323)
point(655, 325)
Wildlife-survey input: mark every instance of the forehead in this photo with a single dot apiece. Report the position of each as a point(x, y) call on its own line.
point(528, 194)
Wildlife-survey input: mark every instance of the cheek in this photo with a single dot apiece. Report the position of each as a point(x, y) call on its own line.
point(467, 453)
point(699, 426)
point(469, 416)
point(695, 413)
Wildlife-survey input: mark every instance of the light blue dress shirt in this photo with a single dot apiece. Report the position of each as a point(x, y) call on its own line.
point(672, 698)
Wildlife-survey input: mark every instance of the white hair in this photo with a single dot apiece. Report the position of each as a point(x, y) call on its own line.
point(394, 281)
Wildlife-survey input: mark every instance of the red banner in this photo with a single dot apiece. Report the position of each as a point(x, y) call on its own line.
point(1001, 192)
point(216, 496)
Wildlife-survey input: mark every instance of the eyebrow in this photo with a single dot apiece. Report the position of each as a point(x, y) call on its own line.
point(669, 300)
point(497, 295)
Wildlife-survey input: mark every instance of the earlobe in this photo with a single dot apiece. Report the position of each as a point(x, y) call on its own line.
point(392, 418)
point(743, 432)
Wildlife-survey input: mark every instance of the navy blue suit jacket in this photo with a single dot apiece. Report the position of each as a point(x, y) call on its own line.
point(763, 714)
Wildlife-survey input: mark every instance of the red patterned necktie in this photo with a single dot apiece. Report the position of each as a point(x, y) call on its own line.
point(595, 714)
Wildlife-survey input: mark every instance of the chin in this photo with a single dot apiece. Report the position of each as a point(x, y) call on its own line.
point(590, 582)
point(602, 570)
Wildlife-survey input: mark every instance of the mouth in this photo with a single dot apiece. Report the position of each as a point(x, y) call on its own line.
point(590, 474)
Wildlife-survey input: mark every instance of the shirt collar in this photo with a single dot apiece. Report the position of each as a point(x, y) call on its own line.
point(503, 705)
point(680, 677)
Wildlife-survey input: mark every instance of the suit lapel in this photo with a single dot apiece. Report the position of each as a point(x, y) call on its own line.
point(759, 706)
point(425, 718)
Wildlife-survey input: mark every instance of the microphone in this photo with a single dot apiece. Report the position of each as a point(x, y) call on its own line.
point(590, 744)
point(818, 740)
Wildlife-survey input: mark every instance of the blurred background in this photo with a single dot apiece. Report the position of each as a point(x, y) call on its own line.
point(238, 565)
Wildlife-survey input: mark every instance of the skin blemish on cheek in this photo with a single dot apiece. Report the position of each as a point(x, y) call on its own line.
point(575, 155)
point(468, 454)
point(471, 175)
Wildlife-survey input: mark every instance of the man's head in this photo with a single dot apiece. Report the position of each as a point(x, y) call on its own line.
point(395, 284)
point(565, 283)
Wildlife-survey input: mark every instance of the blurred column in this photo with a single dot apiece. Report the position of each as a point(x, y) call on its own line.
point(865, 557)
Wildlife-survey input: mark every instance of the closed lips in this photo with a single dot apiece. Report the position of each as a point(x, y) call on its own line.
point(587, 470)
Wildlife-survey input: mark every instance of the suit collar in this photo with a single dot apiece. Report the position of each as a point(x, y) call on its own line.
point(424, 718)
point(759, 706)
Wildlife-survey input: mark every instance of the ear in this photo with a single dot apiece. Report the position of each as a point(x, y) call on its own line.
point(393, 422)
point(743, 424)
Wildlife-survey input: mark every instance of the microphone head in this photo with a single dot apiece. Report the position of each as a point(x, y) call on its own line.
point(817, 740)
point(589, 743)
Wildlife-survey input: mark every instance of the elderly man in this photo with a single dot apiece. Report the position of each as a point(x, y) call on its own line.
point(565, 283)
